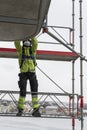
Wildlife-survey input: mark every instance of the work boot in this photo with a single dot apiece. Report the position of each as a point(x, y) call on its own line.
point(20, 112)
point(36, 112)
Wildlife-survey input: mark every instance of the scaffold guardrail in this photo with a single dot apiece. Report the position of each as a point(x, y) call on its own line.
point(51, 104)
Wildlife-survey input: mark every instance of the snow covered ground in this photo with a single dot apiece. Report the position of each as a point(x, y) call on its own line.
point(31, 123)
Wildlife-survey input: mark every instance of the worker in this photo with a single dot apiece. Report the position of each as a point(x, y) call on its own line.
point(27, 62)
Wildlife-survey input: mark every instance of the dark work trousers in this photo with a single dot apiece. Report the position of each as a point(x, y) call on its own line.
point(23, 77)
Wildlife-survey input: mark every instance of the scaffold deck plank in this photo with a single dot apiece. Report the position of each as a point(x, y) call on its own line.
point(41, 54)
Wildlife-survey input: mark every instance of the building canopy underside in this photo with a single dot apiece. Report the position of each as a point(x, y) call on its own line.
point(21, 19)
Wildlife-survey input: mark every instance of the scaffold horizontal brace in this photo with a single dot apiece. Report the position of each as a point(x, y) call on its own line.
point(41, 54)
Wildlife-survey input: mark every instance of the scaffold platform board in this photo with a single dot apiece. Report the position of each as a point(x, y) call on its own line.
point(21, 19)
point(41, 54)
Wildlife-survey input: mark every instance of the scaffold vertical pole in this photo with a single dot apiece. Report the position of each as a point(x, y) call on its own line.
point(81, 62)
point(73, 63)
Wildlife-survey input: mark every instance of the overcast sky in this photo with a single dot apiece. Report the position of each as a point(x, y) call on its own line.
point(60, 14)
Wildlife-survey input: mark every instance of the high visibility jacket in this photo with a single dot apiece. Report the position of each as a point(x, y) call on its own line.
point(28, 64)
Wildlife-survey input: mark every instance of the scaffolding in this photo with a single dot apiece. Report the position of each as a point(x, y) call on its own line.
point(72, 97)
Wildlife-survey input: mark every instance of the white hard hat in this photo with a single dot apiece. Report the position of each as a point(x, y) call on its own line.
point(27, 43)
